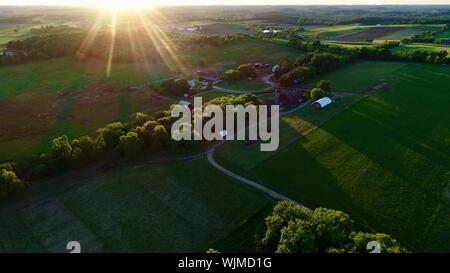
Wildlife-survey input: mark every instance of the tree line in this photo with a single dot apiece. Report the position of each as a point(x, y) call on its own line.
point(118, 140)
point(292, 228)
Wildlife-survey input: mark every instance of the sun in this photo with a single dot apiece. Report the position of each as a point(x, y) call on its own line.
point(121, 5)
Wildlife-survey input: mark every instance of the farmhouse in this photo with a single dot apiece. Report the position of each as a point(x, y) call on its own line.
point(322, 103)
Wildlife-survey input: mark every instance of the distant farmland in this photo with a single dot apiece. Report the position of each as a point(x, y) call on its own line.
point(384, 160)
point(369, 34)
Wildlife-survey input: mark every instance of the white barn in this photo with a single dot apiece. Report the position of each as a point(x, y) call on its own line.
point(323, 102)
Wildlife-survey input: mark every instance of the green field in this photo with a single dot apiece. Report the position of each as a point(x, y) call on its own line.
point(423, 47)
point(358, 77)
point(384, 160)
point(131, 209)
point(443, 35)
point(35, 86)
point(247, 50)
point(245, 85)
point(334, 31)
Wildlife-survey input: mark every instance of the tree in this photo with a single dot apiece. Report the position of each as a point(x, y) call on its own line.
point(86, 146)
point(140, 118)
point(131, 145)
point(9, 183)
point(181, 86)
point(332, 227)
point(231, 76)
point(292, 228)
point(325, 85)
point(111, 133)
point(247, 71)
point(317, 93)
point(283, 212)
point(297, 237)
point(387, 243)
point(61, 150)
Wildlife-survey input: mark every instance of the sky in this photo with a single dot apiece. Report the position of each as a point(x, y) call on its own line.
point(124, 3)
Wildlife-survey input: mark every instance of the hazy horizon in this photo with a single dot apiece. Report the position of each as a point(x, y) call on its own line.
point(142, 3)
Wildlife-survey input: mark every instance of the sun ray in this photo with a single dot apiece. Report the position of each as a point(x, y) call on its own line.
point(113, 41)
point(163, 45)
point(92, 33)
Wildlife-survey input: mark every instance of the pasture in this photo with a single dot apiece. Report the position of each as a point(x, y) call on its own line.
point(63, 96)
point(131, 209)
point(384, 160)
point(363, 75)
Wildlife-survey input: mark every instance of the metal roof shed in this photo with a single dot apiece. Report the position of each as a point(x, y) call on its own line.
point(323, 102)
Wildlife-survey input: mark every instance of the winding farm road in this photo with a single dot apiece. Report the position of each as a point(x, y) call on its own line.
point(274, 194)
point(249, 182)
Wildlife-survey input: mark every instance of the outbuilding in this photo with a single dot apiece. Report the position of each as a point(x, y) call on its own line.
point(322, 103)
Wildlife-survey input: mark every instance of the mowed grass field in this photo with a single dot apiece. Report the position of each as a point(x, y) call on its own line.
point(422, 47)
point(385, 160)
point(33, 111)
point(173, 207)
point(358, 77)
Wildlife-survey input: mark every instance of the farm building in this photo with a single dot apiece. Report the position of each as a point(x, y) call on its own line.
point(322, 103)
point(208, 76)
point(288, 98)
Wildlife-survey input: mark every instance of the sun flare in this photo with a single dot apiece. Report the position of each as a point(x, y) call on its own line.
point(120, 5)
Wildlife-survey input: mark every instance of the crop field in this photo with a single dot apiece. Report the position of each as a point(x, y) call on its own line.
point(332, 32)
point(369, 34)
point(353, 33)
point(384, 160)
point(406, 32)
point(132, 209)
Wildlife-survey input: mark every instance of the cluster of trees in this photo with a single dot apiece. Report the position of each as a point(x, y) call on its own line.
point(323, 87)
point(294, 229)
point(41, 47)
point(57, 41)
point(424, 37)
point(175, 86)
point(9, 182)
point(114, 141)
point(243, 71)
point(243, 99)
point(205, 40)
point(308, 66)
